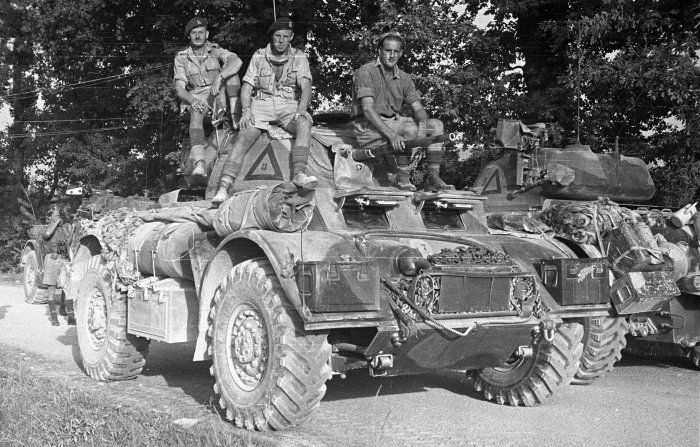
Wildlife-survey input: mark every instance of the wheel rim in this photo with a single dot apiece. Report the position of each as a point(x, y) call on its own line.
point(511, 364)
point(97, 319)
point(30, 273)
point(247, 342)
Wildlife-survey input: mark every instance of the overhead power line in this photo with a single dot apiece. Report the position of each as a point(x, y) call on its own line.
point(90, 82)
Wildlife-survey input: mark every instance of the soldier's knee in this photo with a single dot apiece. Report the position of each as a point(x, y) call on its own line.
point(233, 85)
point(196, 119)
point(409, 130)
point(435, 126)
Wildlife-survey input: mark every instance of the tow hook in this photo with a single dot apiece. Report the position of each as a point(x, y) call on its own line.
point(380, 363)
point(524, 352)
point(547, 328)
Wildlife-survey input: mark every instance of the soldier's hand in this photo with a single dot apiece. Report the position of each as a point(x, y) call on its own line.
point(215, 86)
point(200, 106)
point(247, 119)
point(397, 142)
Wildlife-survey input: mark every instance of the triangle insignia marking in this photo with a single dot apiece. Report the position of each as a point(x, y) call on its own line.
point(265, 167)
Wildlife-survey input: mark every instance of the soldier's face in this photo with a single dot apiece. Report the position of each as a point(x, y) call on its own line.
point(281, 40)
point(198, 36)
point(390, 53)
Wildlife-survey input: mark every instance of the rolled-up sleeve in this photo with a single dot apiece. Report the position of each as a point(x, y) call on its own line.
point(223, 54)
point(410, 94)
point(252, 73)
point(179, 70)
point(362, 83)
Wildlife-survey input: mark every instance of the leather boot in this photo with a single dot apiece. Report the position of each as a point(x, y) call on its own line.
point(303, 181)
point(199, 173)
point(222, 192)
point(435, 156)
point(403, 182)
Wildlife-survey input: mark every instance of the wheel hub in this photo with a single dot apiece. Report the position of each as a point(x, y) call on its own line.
point(248, 347)
point(97, 319)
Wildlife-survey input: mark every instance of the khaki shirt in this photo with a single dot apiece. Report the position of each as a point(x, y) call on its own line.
point(198, 72)
point(390, 92)
point(261, 73)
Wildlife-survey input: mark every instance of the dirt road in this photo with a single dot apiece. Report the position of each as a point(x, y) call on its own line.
point(644, 402)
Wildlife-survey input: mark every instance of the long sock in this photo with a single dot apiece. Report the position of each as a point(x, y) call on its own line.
point(300, 156)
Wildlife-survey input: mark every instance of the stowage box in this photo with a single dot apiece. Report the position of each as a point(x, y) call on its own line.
point(574, 281)
point(164, 310)
point(339, 286)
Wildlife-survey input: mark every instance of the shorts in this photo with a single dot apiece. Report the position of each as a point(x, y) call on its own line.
point(368, 136)
point(203, 94)
point(274, 110)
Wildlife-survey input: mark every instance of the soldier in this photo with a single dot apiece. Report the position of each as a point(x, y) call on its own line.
point(379, 91)
point(281, 76)
point(199, 76)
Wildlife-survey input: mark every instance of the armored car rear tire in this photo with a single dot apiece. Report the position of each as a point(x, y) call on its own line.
point(603, 342)
point(108, 352)
point(530, 381)
point(270, 373)
point(30, 281)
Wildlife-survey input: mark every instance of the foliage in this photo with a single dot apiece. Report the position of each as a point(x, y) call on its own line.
point(89, 82)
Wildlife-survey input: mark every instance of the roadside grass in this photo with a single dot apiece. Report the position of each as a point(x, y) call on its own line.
point(42, 410)
point(11, 278)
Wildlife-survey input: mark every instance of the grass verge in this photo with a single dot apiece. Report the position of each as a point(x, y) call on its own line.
point(40, 409)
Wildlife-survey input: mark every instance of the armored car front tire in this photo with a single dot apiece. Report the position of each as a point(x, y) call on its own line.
point(270, 373)
point(529, 381)
point(603, 342)
point(30, 281)
point(107, 351)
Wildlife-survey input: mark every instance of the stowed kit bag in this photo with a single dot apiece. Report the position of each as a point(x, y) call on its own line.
point(277, 207)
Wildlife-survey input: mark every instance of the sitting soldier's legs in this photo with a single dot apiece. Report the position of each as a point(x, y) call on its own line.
point(233, 88)
point(197, 140)
point(409, 130)
point(434, 158)
point(234, 161)
point(301, 128)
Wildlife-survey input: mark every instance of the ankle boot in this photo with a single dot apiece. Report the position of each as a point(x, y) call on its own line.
point(403, 182)
point(199, 173)
point(222, 192)
point(433, 182)
point(303, 181)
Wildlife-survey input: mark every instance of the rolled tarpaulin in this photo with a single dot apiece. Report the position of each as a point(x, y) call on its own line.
point(163, 249)
point(269, 207)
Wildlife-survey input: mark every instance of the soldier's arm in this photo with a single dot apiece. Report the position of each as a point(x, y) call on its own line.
point(232, 64)
point(396, 140)
point(420, 116)
point(247, 117)
point(305, 97)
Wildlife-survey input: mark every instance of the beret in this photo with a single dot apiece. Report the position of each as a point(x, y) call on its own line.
point(194, 23)
point(283, 23)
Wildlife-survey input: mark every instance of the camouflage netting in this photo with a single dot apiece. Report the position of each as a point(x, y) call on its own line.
point(582, 222)
point(469, 255)
point(114, 230)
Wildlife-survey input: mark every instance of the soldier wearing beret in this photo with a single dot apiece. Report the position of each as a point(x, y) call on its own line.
point(281, 76)
point(201, 70)
point(380, 90)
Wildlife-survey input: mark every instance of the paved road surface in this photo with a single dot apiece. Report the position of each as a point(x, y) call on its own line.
point(643, 403)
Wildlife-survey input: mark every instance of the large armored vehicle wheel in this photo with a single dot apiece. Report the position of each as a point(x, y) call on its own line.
point(528, 381)
point(269, 372)
point(32, 293)
point(603, 342)
point(108, 352)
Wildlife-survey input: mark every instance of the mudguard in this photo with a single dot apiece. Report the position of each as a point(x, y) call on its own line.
point(283, 250)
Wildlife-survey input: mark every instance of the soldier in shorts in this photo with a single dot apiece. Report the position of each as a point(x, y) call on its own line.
point(201, 70)
point(282, 78)
point(380, 89)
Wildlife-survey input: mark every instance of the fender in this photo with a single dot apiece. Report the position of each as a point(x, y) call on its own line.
point(283, 250)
